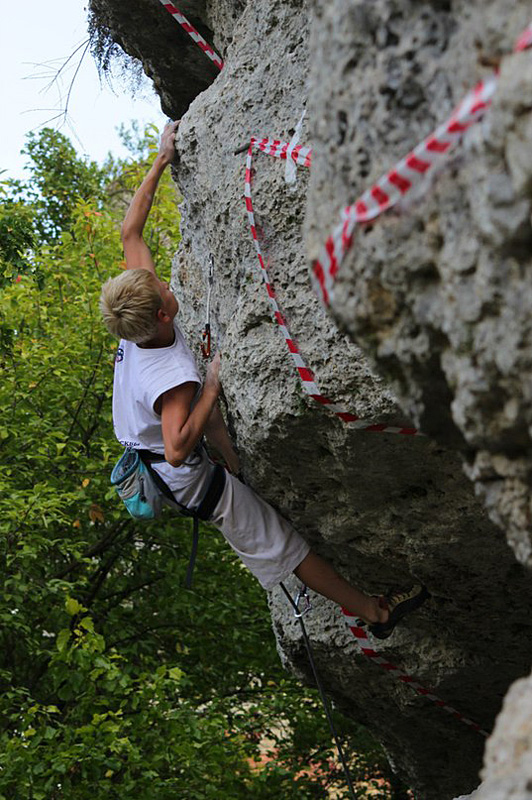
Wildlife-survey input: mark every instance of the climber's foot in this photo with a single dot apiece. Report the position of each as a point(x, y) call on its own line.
point(398, 605)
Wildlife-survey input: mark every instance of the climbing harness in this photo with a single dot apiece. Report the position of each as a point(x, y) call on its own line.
point(206, 335)
point(144, 494)
point(303, 595)
point(203, 511)
point(358, 630)
point(194, 34)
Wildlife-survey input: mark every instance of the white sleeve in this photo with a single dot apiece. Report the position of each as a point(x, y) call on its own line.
point(164, 373)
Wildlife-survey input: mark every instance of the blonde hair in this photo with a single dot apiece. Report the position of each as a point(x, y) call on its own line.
point(129, 305)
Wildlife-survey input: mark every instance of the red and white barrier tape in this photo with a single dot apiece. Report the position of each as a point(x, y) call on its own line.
point(400, 180)
point(525, 40)
point(366, 648)
point(301, 155)
point(193, 33)
point(386, 193)
point(273, 147)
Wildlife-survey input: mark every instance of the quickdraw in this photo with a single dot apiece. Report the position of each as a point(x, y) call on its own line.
point(206, 335)
point(357, 628)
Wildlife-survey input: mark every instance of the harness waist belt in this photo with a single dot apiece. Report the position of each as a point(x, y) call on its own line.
point(213, 492)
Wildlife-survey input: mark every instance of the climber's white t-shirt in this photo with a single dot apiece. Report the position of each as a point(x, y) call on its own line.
point(265, 542)
point(142, 375)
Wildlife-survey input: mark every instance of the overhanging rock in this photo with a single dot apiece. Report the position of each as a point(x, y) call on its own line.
point(147, 32)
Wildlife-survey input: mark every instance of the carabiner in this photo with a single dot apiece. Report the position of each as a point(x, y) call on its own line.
point(206, 341)
point(302, 595)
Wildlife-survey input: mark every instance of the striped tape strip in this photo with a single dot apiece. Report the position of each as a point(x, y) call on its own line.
point(525, 39)
point(400, 180)
point(193, 33)
point(301, 155)
point(273, 147)
point(368, 650)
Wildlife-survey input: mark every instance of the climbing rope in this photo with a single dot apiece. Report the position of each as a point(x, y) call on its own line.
point(194, 34)
point(303, 595)
point(356, 626)
point(361, 636)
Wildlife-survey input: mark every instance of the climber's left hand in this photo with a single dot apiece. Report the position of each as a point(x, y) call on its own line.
point(167, 145)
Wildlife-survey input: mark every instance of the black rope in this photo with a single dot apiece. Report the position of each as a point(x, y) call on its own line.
point(321, 690)
point(193, 553)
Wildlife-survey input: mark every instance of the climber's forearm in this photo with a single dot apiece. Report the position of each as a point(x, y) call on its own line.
point(183, 425)
point(140, 206)
point(218, 436)
point(136, 252)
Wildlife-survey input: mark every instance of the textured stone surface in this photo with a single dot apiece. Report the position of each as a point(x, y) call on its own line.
point(437, 295)
point(439, 292)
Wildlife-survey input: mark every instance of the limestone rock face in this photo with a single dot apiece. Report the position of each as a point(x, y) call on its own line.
point(439, 292)
point(507, 772)
point(436, 295)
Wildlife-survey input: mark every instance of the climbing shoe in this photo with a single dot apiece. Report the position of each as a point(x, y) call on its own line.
point(398, 604)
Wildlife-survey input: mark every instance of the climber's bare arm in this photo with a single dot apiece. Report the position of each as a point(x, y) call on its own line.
point(218, 436)
point(136, 252)
point(183, 423)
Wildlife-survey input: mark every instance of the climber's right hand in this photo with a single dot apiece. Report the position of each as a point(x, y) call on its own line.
point(212, 379)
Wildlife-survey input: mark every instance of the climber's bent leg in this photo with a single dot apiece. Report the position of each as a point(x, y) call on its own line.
point(320, 576)
point(267, 543)
point(272, 549)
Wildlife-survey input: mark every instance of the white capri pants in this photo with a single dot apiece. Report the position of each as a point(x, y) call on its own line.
point(265, 542)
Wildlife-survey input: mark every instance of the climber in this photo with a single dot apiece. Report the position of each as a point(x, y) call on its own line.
point(161, 408)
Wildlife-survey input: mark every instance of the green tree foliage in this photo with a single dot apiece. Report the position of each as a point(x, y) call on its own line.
point(116, 681)
point(17, 237)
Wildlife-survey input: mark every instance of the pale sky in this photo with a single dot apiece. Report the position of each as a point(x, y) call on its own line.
point(36, 37)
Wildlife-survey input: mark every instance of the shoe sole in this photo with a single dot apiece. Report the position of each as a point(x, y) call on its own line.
point(385, 630)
